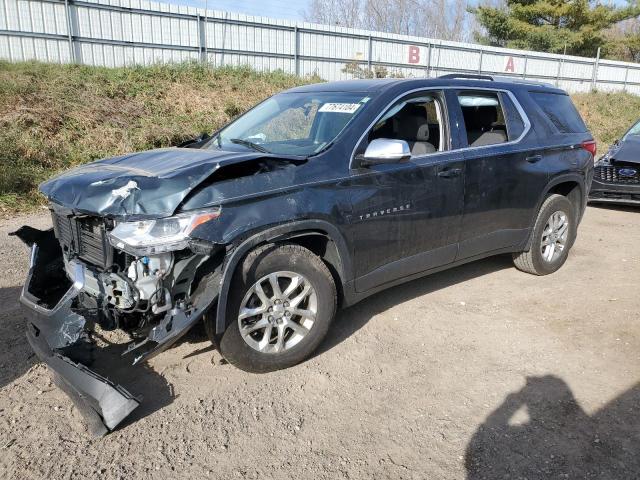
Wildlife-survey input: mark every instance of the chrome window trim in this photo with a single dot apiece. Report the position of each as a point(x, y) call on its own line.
point(512, 97)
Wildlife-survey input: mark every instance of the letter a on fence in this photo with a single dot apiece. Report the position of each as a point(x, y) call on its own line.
point(510, 65)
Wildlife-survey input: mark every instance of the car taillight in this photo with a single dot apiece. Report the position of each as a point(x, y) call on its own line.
point(590, 146)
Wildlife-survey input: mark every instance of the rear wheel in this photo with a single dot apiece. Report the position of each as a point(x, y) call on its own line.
point(552, 237)
point(282, 302)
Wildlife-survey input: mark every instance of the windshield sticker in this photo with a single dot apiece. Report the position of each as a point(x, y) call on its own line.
point(339, 107)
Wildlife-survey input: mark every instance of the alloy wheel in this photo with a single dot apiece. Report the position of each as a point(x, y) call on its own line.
point(277, 312)
point(554, 236)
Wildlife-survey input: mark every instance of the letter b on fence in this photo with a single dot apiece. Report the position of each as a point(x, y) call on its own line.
point(414, 54)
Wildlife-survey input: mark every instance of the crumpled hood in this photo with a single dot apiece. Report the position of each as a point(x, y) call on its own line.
point(628, 151)
point(144, 184)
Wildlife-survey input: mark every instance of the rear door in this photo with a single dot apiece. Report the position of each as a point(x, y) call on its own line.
point(504, 171)
point(407, 215)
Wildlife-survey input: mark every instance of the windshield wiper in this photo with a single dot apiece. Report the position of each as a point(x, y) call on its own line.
point(247, 143)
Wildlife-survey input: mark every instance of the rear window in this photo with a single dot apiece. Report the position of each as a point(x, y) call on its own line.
point(560, 110)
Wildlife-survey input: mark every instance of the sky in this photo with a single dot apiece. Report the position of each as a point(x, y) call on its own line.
point(281, 9)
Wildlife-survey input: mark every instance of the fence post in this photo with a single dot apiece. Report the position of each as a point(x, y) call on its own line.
point(626, 76)
point(594, 76)
point(202, 45)
point(429, 60)
point(369, 52)
point(524, 70)
point(480, 64)
point(296, 51)
point(70, 32)
point(560, 64)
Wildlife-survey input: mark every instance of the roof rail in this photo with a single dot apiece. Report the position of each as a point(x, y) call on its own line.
point(493, 78)
point(522, 81)
point(470, 76)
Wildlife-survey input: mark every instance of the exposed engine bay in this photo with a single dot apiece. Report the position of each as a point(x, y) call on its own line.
point(78, 279)
point(145, 293)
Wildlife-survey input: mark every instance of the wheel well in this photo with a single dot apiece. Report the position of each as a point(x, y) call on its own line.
point(573, 192)
point(325, 248)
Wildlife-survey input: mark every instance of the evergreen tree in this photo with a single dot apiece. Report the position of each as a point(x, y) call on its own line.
point(550, 25)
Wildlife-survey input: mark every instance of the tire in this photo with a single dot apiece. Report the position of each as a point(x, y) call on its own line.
point(287, 344)
point(541, 261)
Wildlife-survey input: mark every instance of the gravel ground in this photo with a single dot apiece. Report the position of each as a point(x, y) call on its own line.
point(479, 372)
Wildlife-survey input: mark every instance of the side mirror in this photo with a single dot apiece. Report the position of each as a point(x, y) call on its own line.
point(385, 150)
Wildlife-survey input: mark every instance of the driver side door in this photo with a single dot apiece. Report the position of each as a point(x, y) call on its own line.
point(406, 216)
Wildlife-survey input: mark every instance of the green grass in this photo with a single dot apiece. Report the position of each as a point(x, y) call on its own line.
point(53, 117)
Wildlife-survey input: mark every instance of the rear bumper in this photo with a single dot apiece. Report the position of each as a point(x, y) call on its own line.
point(603, 192)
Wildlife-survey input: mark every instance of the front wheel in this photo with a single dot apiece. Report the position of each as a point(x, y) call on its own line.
point(282, 302)
point(552, 237)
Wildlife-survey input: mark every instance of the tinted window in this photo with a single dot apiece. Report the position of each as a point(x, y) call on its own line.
point(515, 123)
point(484, 119)
point(560, 110)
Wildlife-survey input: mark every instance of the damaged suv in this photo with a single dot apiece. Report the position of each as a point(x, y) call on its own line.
point(316, 198)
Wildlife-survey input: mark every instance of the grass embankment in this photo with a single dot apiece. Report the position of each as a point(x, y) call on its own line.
point(608, 115)
point(53, 117)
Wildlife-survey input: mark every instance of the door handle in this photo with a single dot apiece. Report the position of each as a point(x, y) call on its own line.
point(534, 158)
point(450, 172)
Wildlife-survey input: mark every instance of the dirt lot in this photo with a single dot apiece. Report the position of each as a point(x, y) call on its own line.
point(479, 372)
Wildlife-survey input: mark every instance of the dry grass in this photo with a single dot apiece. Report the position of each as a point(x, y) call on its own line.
point(53, 117)
point(608, 115)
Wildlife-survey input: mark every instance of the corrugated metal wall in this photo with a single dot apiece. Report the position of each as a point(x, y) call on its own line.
point(127, 32)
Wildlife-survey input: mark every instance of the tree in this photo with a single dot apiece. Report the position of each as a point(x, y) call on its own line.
point(551, 25)
point(346, 13)
point(446, 19)
point(623, 41)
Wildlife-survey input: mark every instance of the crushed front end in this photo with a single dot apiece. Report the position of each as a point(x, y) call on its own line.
point(147, 278)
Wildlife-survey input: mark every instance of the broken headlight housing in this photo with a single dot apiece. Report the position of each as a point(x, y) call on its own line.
point(147, 237)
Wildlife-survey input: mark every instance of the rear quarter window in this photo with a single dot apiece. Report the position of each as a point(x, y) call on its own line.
point(515, 123)
point(560, 110)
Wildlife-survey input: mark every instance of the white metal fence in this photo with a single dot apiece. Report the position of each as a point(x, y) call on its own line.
point(127, 32)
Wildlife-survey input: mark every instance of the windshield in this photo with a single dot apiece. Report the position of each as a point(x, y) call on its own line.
point(633, 132)
point(291, 123)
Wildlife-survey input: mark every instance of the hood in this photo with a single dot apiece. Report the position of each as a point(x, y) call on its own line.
point(627, 152)
point(144, 184)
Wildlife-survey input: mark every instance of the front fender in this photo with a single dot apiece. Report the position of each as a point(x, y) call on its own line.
point(273, 234)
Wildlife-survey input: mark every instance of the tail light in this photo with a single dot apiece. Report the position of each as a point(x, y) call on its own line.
point(590, 146)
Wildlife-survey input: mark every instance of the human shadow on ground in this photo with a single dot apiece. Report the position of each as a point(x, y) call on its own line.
point(542, 432)
point(352, 319)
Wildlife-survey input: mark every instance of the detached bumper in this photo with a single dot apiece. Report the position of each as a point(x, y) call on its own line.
point(102, 403)
point(52, 329)
point(605, 192)
point(58, 334)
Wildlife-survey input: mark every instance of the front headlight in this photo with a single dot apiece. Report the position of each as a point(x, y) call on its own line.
point(147, 237)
